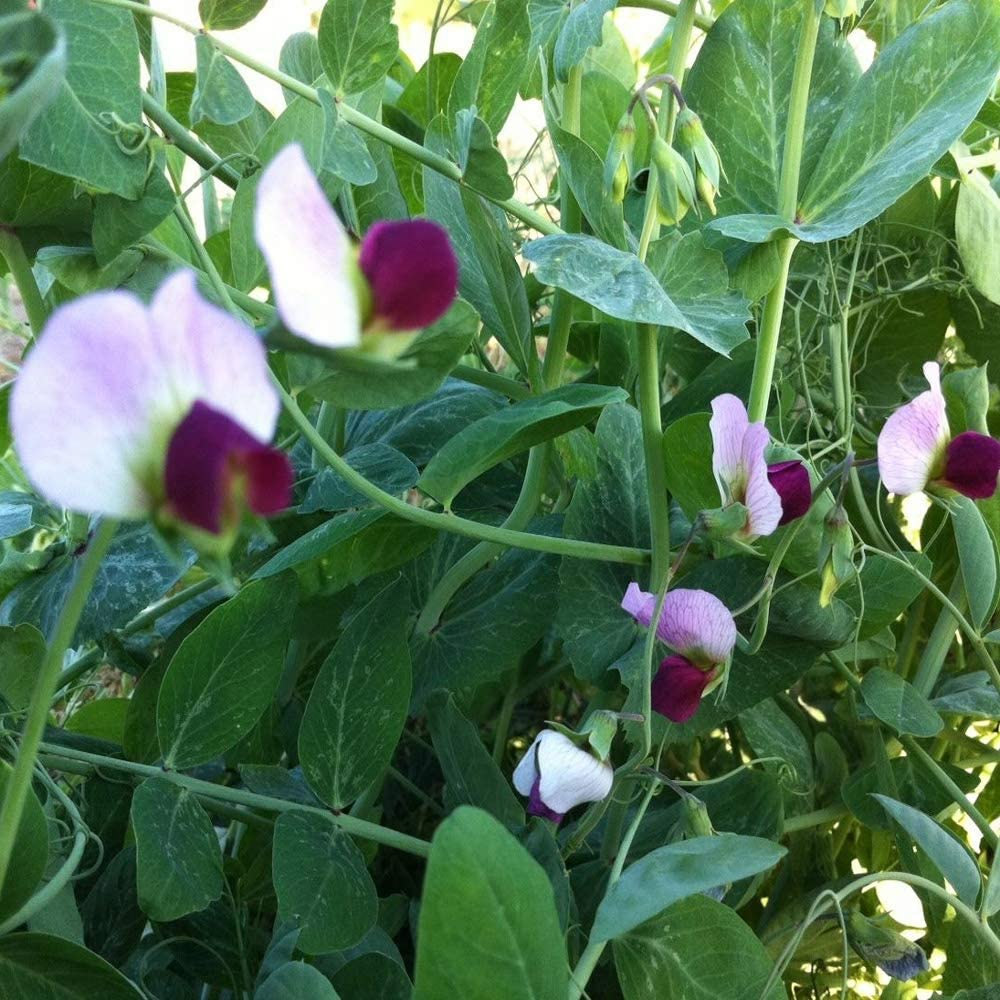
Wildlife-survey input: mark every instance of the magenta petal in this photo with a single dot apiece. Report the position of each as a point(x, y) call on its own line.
point(972, 462)
point(536, 807)
point(678, 687)
point(412, 271)
point(791, 480)
point(204, 453)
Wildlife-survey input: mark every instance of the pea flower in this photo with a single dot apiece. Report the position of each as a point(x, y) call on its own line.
point(701, 155)
point(129, 411)
point(675, 182)
point(916, 449)
point(702, 633)
point(556, 775)
point(403, 277)
point(879, 945)
point(772, 494)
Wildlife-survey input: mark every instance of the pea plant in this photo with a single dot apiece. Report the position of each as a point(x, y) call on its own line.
point(433, 571)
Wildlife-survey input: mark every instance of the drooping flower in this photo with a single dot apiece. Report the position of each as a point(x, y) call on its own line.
point(403, 277)
point(556, 775)
point(880, 945)
point(129, 411)
point(701, 631)
point(772, 494)
point(916, 449)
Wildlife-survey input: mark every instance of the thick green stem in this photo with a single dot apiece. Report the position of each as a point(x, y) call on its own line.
point(349, 824)
point(12, 251)
point(819, 817)
point(491, 380)
point(667, 7)
point(935, 652)
point(648, 341)
point(19, 784)
point(788, 195)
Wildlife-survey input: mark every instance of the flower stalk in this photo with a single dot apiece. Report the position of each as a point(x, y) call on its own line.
point(13, 253)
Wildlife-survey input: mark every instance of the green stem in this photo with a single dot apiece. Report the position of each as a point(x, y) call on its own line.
point(668, 7)
point(19, 783)
point(592, 953)
point(12, 251)
point(935, 652)
point(647, 342)
point(352, 116)
point(490, 380)
point(349, 824)
point(819, 817)
point(788, 195)
point(204, 258)
point(450, 522)
point(506, 713)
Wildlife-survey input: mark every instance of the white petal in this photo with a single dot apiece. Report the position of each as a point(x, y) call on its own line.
point(308, 253)
point(762, 500)
point(526, 770)
point(80, 407)
point(205, 354)
point(569, 775)
point(913, 439)
point(729, 425)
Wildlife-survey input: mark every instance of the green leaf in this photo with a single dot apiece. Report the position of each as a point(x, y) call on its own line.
point(771, 733)
point(178, 858)
point(483, 165)
point(299, 58)
point(224, 674)
point(119, 222)
point(386, 467)
point(949, 855)
point(509, 432)
point(321, 882)
point(696, 949)
point(485, 896)
point(373, 974)
point(977, 232)
point(224, 15)
point(472, 778)
point(678, 870)
point(345, 154)
point(884, 590)
point(968, 694)
point(741, 84)
point(357, 708)
point(33, 61)
point(296, 981)
point(76, 135)
point(22, 649)
point(581, 31)
point(101, 719)
point(220, 94)
point(899, 704)
point(977, 557)
point(358, 43)
point(44, 967)
point(611, 508)
point(31, 852)
point(320, 541)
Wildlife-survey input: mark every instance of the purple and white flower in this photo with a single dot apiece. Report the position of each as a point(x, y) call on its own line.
point(128, 411)
point(701, 631)
point(772, 494)
point(916, 449)
point(555, 775)
point(402, 279)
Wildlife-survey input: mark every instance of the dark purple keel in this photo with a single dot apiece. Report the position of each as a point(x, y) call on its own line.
point(536, 807)
point(972, 462)
point(791, 480)
point(678, 687)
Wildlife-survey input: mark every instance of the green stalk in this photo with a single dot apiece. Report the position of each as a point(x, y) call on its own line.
point(935, 652)
point(12, 251)
point(349, 824)
point(670, 8)
point(819, 817)
point(450, 522)
point(788, 196)
point(19, 783)
point(491, 380)
point(204, 258)
point(369, 126)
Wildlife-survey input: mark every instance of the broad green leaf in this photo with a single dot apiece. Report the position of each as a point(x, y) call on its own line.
point(991, 897)
point(696, 950)
point(178, 858)
point(101, 719)
point(44, 967)
point(977, 557)
point(318, 542)
point(321, 882)
point(224, 15)
point(471, 776)
point(98, 97)
point(33, 64)
point(220, 94)
point(509, 432)
point(970, 694)
point(119, 222)
point(740, 85)
point(296, 981)
point(611, 508)
point(359, 383)
point(771, 733)
point(113, 921)
point(484, 896)
point(358, 705)
point(345, 154)
point(299, 58)
point(373, 974)
point(225, 674)
point(581, 31)
point(949, 855)
point(483, 165)
point(977, 232)
point(386, 467)
point(884, 590)
point(77, 269)
point(31, 852)
point(678, 870)
point(899, 704)
point(22, 649)
point(358, 43)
